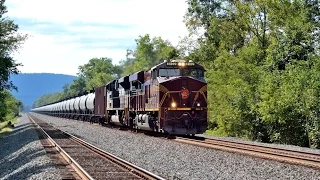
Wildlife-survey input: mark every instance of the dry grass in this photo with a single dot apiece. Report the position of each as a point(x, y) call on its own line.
point(4, 128)
point(3, 124)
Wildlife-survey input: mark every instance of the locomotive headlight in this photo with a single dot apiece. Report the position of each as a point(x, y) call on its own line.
point(173, 104)
point(198, 104)
point(181, 64)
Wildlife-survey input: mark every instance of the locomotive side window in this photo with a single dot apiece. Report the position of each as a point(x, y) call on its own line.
point(154, 74)
point(169, 72)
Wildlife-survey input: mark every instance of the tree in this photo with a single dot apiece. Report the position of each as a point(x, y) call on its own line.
point(262, 59)
point(20, 105)
point(98, 72)
point(9, 106)
point(148, 53)
point(48, 98)
point(66, 90)
point(10, 41)
point(78, 86)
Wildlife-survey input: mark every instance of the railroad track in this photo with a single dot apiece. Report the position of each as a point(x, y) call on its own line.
point(271, 153)
point(278, 154)
point(89, 161)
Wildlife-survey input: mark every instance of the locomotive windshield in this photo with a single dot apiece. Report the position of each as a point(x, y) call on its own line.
point(171, 72)
point(197, 73)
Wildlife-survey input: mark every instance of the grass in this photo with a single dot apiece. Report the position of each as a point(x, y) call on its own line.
point(3, 124)
point(212, 132)
point(216, 133)
point(4, 128)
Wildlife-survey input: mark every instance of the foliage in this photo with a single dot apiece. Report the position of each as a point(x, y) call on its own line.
point(10, 41)
point(262, 59)
point(9, 106)
point(48, 98)
point(148, 53)
point(77, 87)
point(98, 72)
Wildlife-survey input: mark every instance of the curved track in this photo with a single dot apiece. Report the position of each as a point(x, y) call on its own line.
point(278, 154)
point(89, 161)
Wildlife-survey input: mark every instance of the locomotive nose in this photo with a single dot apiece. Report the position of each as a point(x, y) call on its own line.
point(184, 92)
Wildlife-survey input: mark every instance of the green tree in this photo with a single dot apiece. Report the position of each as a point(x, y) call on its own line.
point(48, 98)
point(293, 36)
point(261, 59)
point(148, 53)
point(66, 90)
point(78, 86)
point(98, 72)
point(9, 106)
point(21, 106)
point(10, 41)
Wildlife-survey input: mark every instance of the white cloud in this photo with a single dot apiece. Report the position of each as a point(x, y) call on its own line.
point(61, 53)
point(41, 54)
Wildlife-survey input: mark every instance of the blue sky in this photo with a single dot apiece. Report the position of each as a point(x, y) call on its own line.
point(65, 34)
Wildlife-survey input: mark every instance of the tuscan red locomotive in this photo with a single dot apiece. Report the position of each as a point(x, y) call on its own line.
point(171, 98)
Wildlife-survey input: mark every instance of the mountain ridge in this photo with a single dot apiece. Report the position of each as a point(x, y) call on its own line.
point(33, 85)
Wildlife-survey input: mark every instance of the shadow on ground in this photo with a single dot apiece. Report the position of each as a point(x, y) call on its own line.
point(16, 158)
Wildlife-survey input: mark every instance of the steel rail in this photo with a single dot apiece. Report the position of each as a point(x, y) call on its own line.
point(81, 172)
point(117, 160)
point(277, 154)
point(133, 168)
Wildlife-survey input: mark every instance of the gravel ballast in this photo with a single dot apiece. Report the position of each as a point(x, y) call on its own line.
point(22, 155)
point(173, 160)
point(281, 146)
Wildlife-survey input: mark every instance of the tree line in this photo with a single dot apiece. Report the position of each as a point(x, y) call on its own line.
point(10, 41)
point(99, 71)
point(263, 67)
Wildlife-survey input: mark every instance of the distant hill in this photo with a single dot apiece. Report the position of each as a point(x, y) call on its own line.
point(33, 85)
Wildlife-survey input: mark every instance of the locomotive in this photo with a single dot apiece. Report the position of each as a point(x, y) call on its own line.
point(170, 98)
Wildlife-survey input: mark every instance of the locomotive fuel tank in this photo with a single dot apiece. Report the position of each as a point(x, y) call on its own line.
point(143, 122)
point(116, 119)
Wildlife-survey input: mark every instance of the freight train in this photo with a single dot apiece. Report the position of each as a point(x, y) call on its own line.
point(169, 98)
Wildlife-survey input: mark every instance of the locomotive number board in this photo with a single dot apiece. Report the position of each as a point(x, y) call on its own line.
point(180, 63)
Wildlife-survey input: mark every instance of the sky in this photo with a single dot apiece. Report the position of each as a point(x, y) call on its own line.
point(64, 34)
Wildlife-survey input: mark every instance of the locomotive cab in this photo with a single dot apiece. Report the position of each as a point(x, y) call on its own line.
point(182, 96)
point(180, 68)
